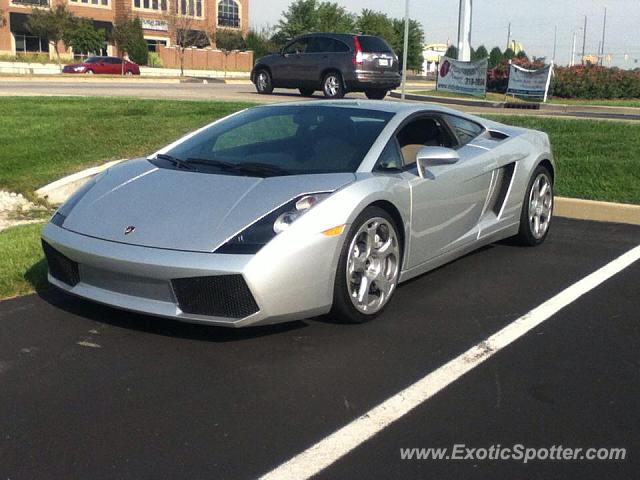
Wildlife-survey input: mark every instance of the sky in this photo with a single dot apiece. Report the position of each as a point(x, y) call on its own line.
point(532, 23)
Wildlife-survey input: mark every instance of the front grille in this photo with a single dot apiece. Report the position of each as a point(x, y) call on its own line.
point(216, 296)
point(61, 267)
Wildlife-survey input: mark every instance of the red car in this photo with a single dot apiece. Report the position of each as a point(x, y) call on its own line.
point(108, 65)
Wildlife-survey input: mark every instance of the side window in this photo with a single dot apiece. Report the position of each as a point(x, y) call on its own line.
point(339, 47)
point(423, 132)
point(320, 45)
point(466, 130)
point(298, 46)
point(390, 157)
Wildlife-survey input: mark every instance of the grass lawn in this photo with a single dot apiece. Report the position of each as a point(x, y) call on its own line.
point(596, 159)
point(22, 265)
point(45, 138)
point(499, 97)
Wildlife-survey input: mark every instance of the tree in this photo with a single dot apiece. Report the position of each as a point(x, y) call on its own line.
point(229, 41)
point(260, 42)
point(452, 52)
point(54, 25)
point(128, 35)
point(480, 54)
point(84, 38)
point(415, 58)
point(186, 35)
point(304, 16)
point(522, 55)
point(495, 57)
point(371, 22)
point(509, 54)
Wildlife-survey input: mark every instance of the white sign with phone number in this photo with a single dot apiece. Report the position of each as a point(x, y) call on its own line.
point(463, 77)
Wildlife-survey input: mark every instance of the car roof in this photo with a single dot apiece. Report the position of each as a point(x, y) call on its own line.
point(380, 105)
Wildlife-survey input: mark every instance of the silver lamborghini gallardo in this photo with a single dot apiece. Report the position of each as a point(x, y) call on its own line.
point(283, 212)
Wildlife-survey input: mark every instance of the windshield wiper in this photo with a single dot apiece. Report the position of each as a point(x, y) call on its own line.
point(261, 169)
point(176, 161)
point(211, 163)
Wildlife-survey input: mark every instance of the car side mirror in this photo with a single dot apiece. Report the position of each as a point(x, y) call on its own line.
point(433, 156)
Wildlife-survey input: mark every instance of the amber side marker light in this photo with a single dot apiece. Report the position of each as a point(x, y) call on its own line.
point(334, 231)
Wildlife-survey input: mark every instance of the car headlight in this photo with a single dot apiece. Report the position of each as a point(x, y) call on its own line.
point(64, 210)
point(79, 69)
point(259, 233)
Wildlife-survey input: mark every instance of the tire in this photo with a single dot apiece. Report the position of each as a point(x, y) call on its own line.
point(375, 94)
point(129, 73)
point(89, 72)
point(537, 208)
point(264, 83)
point(369, 264)
point(307, 92)
point(333, 86)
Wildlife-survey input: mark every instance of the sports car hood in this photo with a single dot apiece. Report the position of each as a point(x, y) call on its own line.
point(184, 210)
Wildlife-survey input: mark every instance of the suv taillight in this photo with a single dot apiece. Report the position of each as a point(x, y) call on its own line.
point(357, 52)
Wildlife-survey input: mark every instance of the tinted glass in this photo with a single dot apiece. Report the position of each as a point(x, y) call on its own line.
point(320, 45)
point(373, 44)
point(338, 46)
point(290, 139)
point(466, 130)
point(93, 60)
point(299, 46)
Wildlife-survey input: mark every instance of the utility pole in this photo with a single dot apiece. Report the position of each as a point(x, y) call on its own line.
point(584, 37)
point(555, 42)
point(405, 52)
point(464, 30)
point(509, 35)
point(604, 28)
point(573, 50)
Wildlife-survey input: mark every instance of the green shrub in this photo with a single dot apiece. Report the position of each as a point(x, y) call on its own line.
point(155, 60)
point(592, 81)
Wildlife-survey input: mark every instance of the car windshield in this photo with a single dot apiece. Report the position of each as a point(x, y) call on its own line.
point(93, 60)
point(281, 140)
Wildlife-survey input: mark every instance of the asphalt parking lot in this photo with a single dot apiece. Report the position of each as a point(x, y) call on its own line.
point(92, 392)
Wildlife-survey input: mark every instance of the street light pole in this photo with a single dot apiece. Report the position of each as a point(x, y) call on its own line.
point(405, 53)
point(604, 28)
point(555, 42)
point(584, 37)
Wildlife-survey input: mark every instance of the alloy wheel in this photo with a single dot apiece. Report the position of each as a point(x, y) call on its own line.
point(373, 265)
point(540, 205)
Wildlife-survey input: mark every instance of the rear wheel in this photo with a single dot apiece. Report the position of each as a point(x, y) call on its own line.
point(332, 85)
point(306, 92)
point(264, 84)
point(375, 93)
point(368, 269)
point(537, 208)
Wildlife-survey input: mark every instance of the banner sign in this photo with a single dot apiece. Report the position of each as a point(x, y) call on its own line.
point(529, 83)
point(462, 77)
point(153, 24)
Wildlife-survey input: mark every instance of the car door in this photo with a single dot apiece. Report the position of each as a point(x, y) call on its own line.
point(448, 200)
point(115, 66)
point(291, 70)
point(317, 58)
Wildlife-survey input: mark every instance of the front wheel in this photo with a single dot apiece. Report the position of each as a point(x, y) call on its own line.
point(129, 73)
point(89, 72)
point(537, 208)
point(375, 94)
point(368, 269)
point(264, 84)
point(306, 92)
point(332, 85)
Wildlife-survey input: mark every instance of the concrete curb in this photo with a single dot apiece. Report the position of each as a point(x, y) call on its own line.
point(596, 210)
point(57, 192)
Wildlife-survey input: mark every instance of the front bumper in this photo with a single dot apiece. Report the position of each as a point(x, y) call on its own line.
point(289, 279)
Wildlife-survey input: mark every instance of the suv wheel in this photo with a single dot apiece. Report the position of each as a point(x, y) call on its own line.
point(307, 92)
point(375, 94)
point(264, 84)
point(332, 85)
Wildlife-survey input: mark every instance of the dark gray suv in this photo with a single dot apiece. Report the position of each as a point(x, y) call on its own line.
point(331, 62)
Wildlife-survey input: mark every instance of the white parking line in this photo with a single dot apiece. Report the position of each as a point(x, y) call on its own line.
point(332, 448)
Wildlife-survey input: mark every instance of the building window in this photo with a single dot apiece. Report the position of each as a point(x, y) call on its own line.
point(191, 8)
point(92, 3)
point(154, 44)
point(228, 14)
point(158, 5)
point(27, 43)
point(31, 3)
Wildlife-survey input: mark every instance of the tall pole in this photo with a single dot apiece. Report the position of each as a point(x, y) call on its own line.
point(464, 30)
point(405, 52)
point(509, 35)
point(584, 37)
point(604, 28)
point(555, 42)
point(573, 50)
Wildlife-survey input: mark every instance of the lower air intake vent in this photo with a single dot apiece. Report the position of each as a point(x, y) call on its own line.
point(216, 296)
point(60, 267)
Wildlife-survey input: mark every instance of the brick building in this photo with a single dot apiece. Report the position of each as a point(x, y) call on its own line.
point(207, 15)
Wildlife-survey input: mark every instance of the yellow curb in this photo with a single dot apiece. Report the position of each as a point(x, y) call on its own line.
point(596, 210)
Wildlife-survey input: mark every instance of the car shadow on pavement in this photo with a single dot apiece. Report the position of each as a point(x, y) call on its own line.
point(157, 325)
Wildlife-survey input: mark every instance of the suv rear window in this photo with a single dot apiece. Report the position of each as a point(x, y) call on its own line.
point(371, 44)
